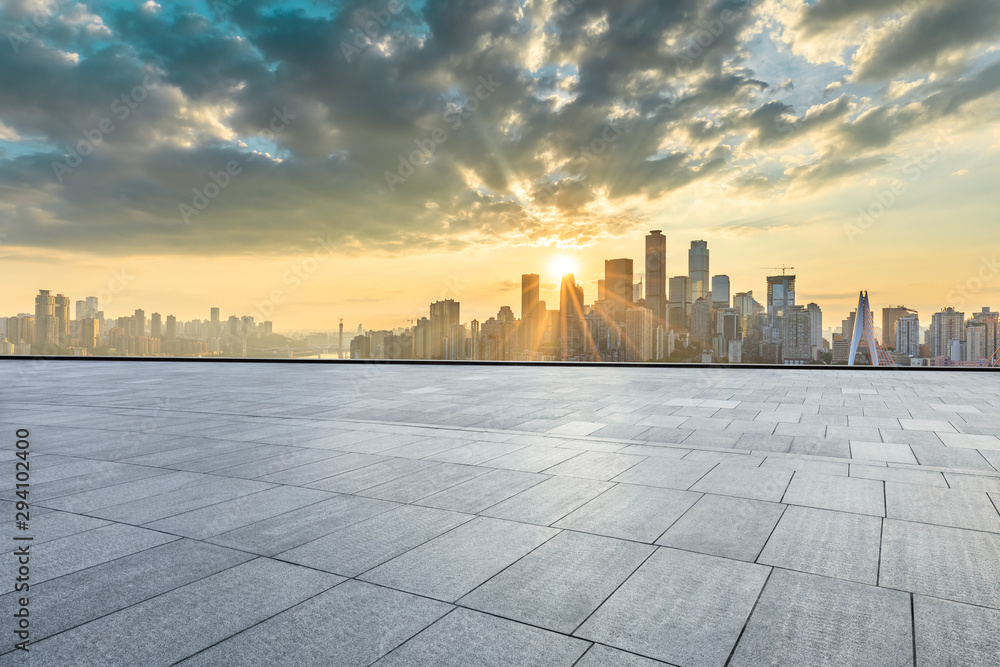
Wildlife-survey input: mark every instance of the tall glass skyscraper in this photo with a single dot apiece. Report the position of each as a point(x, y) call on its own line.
point(656, 276)
point(698, 273)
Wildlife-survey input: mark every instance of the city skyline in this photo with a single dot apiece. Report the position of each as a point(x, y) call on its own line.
point(858, 140)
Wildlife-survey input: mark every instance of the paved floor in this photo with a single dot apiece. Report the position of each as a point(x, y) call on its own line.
point(260, 514)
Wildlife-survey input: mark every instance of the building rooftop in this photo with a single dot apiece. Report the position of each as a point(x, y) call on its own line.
point(264, 514)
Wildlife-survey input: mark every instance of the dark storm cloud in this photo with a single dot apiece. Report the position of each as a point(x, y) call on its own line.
point(467, 122)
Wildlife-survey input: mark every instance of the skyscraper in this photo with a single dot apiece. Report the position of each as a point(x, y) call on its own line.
point(618, 287)
point(444, 314)
point(780, 295)
point(679, 307)
point(171, 328)
point(720, 292)
point(571, 318)
point(530, 319)
point(698, 270)
point(656, 275)
point(62, 314)
point(155, 326)
point(701, 319)
point(45, 319)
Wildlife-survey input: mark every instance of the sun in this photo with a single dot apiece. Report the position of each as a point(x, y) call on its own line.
point(562, 264)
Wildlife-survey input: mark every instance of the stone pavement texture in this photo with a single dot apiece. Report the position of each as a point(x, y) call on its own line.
point(345, 514)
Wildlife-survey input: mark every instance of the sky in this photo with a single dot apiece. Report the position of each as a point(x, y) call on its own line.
point(309, 161)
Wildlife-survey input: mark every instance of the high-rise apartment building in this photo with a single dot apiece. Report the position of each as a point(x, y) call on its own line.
point(88, 333)
point(155, 326)
point(890, 316)
point(46, 332)
point(639, 332)
point(701, 319)
point(698, 270)
point(815, 325)
point(946, 326)
point(444, 314)
point(907, 336)
point(170, 332)
point(656, 275)
point(796, 335)
point(530, 318)
point(618, 287)
point(63, 317)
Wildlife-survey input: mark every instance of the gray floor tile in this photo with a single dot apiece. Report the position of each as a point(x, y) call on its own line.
point(950, 633)
point(833, 544)
point(449, 566)
point(803, 619)
point(605, 656)
point(679, 607)
point(594, 465)
point(465, 637)
point(311, 472)
point(305, 524)
point(366, 544)
point(483, 491)
point(559, 584)
point(369, 476)
point(426, 482)
point(666, 472)
point(352, 624)
point(145, 510)
point(941, 562)
point(173, 626)
point(629, 512)
point(723, 526)
point(845, 494)
point(549, 501)
point(944, 507)
point(745, 482)
point(232, 514)
point(80, 597)
point(532, 458)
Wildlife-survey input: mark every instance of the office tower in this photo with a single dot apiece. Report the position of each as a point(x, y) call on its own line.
point(155, 326)
point(140, 322)
point(92, 307)
point(908, 336)
point(618, 287)
point(701, 319)
point(816, 325)
point(720, 292)
point(889, 318)
point(946, 326)
point(215, 324)
point(639, 331)
point(797, 335)
point(45, 320)
point(444, 314)
point(267, 329)
point(601, 296)
point(571, 318)
point(698, 270)
point(530, 319)
point(735, 352)
point(656, 275)
point(81, 310)
point(88, 333)
point(170, 332)
point(780, 295)
point(637, 292)
point(679, 308)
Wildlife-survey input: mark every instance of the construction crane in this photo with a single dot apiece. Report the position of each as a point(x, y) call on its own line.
point(775, 268)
